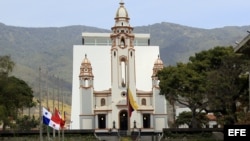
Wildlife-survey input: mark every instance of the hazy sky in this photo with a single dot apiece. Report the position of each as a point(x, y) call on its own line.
point(100, 13)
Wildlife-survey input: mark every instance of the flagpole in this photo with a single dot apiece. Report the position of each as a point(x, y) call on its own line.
point(128, 111)
point(58, 103)
point(63, 119)
point(40, 106)
point(46, 81)
point(54, 135)
point(128, 133)
point(58, 93)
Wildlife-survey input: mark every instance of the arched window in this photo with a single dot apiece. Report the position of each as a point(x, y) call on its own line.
point(143, 102)
point(122, 42)
point(123, 73)
point(103, 102)
point(86, 82)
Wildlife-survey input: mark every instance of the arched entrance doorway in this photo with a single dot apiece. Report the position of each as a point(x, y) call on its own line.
point(123, 116)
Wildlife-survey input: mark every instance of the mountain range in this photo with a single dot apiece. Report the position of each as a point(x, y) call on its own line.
point(51, 48)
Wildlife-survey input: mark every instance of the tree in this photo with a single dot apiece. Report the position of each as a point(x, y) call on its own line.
point(27, 123)
point(211, 59)
point(185, 117)
point(198, 83)
point(226, 88)
point(6, 65)
point(185, 86)
point(15, 94)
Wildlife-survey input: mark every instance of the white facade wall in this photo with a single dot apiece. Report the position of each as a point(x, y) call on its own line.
point(100, 58)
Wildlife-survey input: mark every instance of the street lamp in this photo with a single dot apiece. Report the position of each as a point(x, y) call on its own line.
point(134, 124)
point(114, 124)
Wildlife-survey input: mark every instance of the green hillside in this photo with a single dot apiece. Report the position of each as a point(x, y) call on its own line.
point(52, 49)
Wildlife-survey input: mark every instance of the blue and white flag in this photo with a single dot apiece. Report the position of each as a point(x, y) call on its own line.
point(49, 120)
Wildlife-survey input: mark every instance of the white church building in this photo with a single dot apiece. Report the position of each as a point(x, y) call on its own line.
point(104, 67)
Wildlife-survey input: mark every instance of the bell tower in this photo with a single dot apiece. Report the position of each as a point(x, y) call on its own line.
point(86, 88)
point(122, 66)
point(86, 76)
point(122, 52)
point(158, 65)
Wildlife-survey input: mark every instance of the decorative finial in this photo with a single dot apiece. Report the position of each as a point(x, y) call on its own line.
point(121, 2)
point(85, 55)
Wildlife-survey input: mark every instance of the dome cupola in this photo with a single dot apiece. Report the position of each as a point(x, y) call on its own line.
point(86, 68)
point(158, 65)
point(121, 16)
point(121, 11)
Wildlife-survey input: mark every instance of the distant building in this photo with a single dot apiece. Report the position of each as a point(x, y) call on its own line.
point(212, 120)
point(105, 66)
point(244, 45)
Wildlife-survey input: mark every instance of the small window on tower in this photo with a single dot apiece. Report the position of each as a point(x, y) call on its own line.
point(86, 83)
point(122, 42)
point(103, 103)
point(143, 102)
